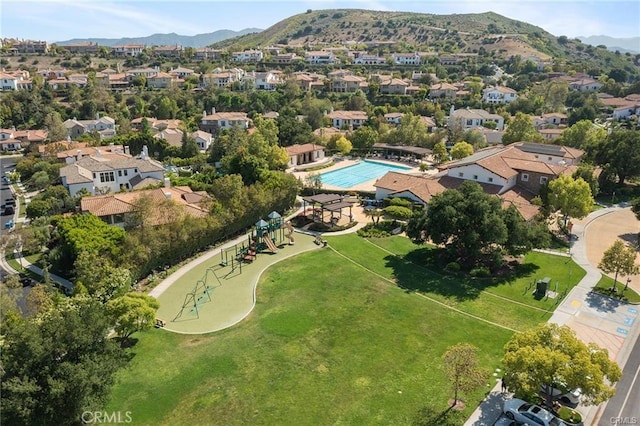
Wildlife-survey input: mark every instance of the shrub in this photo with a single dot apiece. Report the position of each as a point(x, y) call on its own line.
point(402, 202)
point(398, 212)
point(480, 272)
point(452, 267)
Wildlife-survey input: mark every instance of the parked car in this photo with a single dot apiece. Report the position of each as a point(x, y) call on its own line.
point(9, 224)
point(531, 414)
point(559, 392)
point(10, 202)
point(9, 210)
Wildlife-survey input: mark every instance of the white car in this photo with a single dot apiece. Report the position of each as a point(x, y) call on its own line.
point(524, 412)
point(559, 393)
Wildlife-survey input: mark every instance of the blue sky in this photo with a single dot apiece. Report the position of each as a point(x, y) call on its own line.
point(59, 20)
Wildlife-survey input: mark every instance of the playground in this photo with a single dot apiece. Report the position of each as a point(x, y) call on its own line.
point(220, 291)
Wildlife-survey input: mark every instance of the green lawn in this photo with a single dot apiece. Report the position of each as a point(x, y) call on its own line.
point(330, 342)
point(606, 283)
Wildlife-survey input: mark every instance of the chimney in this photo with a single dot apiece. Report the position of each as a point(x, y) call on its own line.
point(213, 110)
point(97, 116)
point(126, 149)
point(145, 152)
point(78, 154)
point(167, 182)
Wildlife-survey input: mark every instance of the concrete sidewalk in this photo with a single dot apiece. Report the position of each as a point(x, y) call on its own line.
point(594, 317)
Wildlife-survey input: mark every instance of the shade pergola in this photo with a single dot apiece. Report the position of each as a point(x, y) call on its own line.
point(329, 202)
point(404, 149)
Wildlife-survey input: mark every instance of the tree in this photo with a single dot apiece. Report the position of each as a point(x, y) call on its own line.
point(343, 145)
point(460, 364)
point(132, 312)
point(55, 128)
point(550, 354)
point(571, 196)
point(364, 138)
point(635, 207)
point(189, 147)
point(521, 129)
point(619, 259)
point(584, 134)
point(313, 181)
point(620, 153)
point(586, 171)
point(461, 150)
point(440, 153)
point(470, 223)
point(50, 373)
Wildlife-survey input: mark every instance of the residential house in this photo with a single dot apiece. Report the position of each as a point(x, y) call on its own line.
point(551, 119)
point(181, 72)
point(348, 84)
point(269, 80)
point(370, 60)
point(131, 50)
point(144, 72)
point(587, 85)
point(406, 58)
point(162, 80)
point(109, 173)
point(626, 111)
point(217, 121)
point(172, 136)
point(393, 117)
point(8, 141)
point(347, 119)
point(69, 152)
point(550, 135)
point(286, 58)
point(115, 208)
point(222, 78)
point(442, 90)
point(207, 53)
point(429, 122)
point(32, 46)
point(15, 80)
point(394, 86)
point(105, 126)
point(303, 154)
point(471, 118)
point(499, 95)
point(251, 55)
point(173, 51)
point(321, 58)
point(156, 124)
point(203, 139)
point(82, 48)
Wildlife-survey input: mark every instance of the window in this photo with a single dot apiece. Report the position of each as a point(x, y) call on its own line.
point(119, 172)
point(475, 177)
point(135, 170)
point(460, 174)
point(525, 177)
point(490, 179)
point(549, 158)
point(126, 172)
point(107, 177)
point(469, 122)
point(543, 180)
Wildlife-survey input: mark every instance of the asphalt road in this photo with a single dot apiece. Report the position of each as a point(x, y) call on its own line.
point(624, 407)
point(6, 164)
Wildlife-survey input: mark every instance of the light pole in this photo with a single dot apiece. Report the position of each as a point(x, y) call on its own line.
point(627, 284)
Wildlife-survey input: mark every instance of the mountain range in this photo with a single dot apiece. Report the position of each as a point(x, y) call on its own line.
point(196, 41)
point(631, 44)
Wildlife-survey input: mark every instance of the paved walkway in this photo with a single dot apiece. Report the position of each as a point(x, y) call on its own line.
point(609, 323)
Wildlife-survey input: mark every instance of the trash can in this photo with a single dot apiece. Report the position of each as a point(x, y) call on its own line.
point(542, 286)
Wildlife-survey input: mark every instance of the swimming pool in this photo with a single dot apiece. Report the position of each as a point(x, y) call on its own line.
point(363, 171)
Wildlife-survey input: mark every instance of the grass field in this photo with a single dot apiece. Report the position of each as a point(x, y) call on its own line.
point(606, 283)
point(334, 340)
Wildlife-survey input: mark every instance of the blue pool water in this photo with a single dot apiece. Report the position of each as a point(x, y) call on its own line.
point(366, 170)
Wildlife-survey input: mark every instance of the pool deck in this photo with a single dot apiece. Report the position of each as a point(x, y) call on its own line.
point(364, 186)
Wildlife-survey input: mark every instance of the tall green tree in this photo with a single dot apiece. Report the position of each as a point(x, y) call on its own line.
point(468, 222)
point(50, 373)
point(584, 135)
point(440, 153)
point(521, 129)
point(571, 196)
point(364, 137)
point(551, 354)
point(55, 128)
point(461, 367)
point(620, 154)
point(619, 259)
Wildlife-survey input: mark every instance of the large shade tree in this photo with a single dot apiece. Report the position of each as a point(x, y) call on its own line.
point(619, 259)
point(620, 154)
point(571, 196)
point(551, 354)
point(473, 227)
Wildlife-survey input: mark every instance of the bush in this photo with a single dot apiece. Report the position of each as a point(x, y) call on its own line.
point(480, 272)
point(452, 267)
point(402, 202)
point(398, 212)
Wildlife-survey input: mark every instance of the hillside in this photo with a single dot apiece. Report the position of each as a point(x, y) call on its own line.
point(498, 36)
point(631, 44)
point(199, 40)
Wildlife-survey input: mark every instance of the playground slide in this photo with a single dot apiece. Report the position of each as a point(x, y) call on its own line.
point(270, 244)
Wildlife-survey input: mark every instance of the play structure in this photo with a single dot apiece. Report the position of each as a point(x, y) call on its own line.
point(200, 294)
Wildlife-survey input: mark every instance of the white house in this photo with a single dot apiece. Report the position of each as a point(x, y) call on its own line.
point(251, 55)
point(109, 173)
point(499, 95)
point(349, 119)
point(105, 126)
point(303, 154)
point(406, 58)
point(471, 118)
point(218, 121)
point(321, 57)
point(369, 60)
point(203, 139)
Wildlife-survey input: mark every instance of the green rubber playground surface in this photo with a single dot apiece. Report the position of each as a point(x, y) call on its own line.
point(211, 297)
